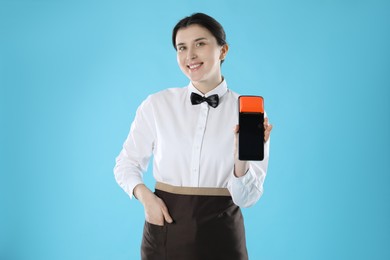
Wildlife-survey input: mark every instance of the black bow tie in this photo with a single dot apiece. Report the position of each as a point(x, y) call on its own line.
point(212, 100)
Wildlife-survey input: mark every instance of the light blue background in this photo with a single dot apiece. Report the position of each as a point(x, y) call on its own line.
point(72, 74)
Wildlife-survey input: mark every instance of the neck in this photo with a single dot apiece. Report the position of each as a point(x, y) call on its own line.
point(206, 87)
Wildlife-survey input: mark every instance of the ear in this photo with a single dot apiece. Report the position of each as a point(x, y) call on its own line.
point(224, 51)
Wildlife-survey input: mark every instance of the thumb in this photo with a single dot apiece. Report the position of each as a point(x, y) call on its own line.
point(236, 129)
point(167, 217)
point(165, 212)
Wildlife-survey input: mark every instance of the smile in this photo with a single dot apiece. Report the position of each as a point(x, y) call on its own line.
point(194, 66)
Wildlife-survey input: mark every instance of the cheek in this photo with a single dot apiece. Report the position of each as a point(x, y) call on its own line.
point(218, 55)
point(182, 64)
point(180, 60)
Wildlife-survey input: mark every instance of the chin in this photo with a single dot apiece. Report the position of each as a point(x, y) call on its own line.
point(195, 78)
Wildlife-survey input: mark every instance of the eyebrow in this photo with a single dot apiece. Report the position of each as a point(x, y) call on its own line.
point(200, 39)
point(196, 40)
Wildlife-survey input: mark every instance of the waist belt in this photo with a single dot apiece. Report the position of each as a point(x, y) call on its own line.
point(203, 191)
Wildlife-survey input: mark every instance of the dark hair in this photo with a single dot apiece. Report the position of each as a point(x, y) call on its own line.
point(205, 21)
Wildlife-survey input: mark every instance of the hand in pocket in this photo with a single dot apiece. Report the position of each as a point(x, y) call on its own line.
point(156, 212)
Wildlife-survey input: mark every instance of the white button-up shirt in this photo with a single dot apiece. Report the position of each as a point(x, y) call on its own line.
point(192, 145)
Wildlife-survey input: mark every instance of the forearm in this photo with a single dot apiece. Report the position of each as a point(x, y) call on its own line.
point(246, 184)
point(240, 168)
point(127, 172)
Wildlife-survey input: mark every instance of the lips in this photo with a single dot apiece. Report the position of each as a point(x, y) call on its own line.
point(194, 66)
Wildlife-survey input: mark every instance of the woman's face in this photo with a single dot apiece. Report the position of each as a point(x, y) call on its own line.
point(199, 55)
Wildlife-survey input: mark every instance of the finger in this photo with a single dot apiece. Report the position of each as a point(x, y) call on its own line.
point(156, 218)
point(265, 122)
point(267, 133)
point(167, 217)
point(159, 222)
point(236, 128)
point(269, 128)
point(165, 212)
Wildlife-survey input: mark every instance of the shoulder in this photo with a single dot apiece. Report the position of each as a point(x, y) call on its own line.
point(231, 96)
point(168, 93)
point(164, 97)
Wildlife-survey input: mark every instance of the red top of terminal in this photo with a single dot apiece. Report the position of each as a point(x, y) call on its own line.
point(251, 104)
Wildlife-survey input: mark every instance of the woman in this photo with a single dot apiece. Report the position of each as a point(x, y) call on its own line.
point(194, 212)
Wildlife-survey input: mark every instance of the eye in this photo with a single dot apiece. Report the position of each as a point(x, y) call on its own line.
point(199, 44)
point(181, 48)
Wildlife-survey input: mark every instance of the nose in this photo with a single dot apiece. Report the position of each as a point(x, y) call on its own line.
point(191, 54)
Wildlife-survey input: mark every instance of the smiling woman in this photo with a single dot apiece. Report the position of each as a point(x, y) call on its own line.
point(194, 212)
point(206, 44)
point(199, 56)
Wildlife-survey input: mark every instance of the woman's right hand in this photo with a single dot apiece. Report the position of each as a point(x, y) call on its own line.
point(156, 212)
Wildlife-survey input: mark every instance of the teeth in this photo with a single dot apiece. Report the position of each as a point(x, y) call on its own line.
point(194, 66)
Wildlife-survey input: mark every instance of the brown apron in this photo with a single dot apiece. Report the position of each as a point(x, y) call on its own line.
point(207, 226)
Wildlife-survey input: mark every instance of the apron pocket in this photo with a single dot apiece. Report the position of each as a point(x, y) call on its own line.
point(154, 234)
point(153, 241)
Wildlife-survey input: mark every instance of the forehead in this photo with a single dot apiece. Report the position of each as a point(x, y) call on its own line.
point(191, 33)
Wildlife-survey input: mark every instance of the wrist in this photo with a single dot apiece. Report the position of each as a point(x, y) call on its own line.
point(142, 193)
point(240, 168)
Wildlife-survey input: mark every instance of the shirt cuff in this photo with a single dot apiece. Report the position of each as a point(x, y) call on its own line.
point(248, 177)
point(128, 185)
point(242, 189)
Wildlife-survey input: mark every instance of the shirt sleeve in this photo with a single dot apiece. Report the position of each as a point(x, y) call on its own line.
point(137, 149)
point(247, 190)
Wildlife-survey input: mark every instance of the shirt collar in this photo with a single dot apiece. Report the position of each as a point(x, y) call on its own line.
point(220, 90)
